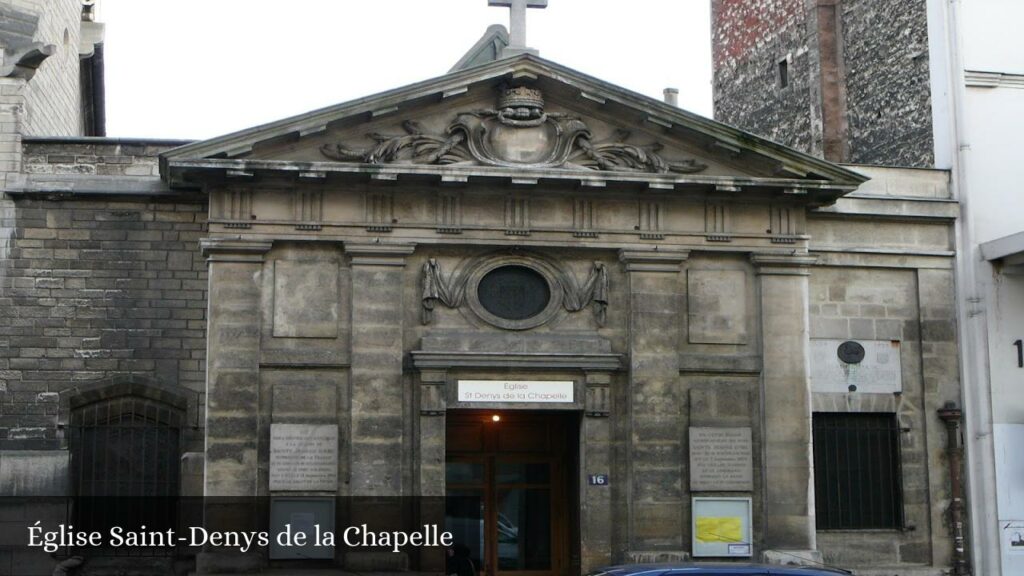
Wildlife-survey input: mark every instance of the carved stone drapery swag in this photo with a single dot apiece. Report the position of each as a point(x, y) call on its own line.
point(594, 291)
point(518, 134)
point(437, 288)
point(451, 290)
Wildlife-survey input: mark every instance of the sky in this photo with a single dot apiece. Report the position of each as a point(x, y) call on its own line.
point(201, 68)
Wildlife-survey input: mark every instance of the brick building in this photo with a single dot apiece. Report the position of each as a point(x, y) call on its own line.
point(707, 328)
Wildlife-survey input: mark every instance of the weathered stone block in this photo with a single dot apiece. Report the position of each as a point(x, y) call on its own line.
point(305, 299)
point(34, 473)
point(717, 306)
point(304, 400)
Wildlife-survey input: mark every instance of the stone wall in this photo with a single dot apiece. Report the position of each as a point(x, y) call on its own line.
point(102, 157)
point(92, 289)
point(881, 103)
point(885, 51)
point(878, 304)
point(11, 114)
point(890, 277)
point(53, 97)
point(748, 40)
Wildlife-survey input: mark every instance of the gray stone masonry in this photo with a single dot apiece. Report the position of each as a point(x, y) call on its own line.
point(97, 288)
point(657, 466)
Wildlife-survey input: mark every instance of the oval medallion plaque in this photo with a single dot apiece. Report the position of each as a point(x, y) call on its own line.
point(851, 352)
point(514, 292)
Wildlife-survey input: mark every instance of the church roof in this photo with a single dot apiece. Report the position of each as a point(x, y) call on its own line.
point(487, 49)
point(740, 159)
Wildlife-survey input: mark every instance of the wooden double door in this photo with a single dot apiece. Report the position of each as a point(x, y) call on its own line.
point(508, 490)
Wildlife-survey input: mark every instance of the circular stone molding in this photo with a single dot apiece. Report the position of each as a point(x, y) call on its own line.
point(491, 272)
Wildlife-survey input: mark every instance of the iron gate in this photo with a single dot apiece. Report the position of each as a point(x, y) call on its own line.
point(125, 455)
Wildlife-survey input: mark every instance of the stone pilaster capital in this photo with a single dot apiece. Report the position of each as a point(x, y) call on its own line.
point(234, 249)
point(433, 376)
point(653, 260)
point(379, 254)
point(782, 264)
point(597, 394)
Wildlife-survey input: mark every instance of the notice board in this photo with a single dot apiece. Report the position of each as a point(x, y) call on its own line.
point(721, 527)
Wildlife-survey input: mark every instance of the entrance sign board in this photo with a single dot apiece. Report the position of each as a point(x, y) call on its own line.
point(521, 391)
point(721, 527)
point(847, 366)
point(304, 457)
point(721, 459)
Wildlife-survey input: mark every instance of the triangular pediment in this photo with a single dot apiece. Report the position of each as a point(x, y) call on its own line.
point(517, 117)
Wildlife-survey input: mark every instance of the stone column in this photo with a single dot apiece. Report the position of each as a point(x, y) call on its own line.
point(788, 458)
point(430, 440)
point(654, 446)
point(596, 514)
point(232, 393)
point(429, 446)
point(378, 397)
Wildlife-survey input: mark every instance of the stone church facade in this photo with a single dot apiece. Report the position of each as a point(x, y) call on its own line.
point(586, 317)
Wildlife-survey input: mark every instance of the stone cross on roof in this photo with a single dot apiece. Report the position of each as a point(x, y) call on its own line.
point(517, 23)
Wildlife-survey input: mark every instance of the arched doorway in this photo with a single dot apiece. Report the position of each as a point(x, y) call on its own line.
point(125, 471)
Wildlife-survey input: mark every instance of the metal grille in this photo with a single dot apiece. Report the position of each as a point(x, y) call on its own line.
point(857, 480)
point(125, 456)
point(514, 292)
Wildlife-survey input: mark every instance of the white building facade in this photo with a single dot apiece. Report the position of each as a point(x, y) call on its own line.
point(978, 99)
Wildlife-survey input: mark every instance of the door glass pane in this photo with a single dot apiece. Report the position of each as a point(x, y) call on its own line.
point(464, 472)
point(523, 473)
point(464, 518)
point(524, 529)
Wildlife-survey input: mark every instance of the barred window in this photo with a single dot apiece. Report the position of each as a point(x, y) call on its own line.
point(857, 481)
point(125, 464)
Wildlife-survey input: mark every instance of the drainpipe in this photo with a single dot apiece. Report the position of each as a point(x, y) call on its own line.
point(951, 416)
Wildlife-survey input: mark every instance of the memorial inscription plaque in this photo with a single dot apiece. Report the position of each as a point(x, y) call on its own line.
point(721, 460)
point(304, 457)
point(848, 366)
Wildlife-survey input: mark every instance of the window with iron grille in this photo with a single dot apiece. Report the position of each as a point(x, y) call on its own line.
point(857, 481)
point(125, 454)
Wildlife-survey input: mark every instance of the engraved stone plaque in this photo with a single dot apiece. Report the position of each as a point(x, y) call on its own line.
point(721, 459)
point(852, 366)
point(304, 457)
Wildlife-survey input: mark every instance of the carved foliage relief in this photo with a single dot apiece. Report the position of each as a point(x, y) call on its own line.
point(519, 133)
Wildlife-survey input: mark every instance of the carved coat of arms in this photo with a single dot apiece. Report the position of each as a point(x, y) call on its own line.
point(518, 134)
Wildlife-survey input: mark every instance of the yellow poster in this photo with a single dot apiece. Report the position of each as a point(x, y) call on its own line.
point(720, 529)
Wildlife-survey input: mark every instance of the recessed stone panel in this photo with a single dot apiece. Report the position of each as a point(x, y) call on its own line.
point(717, 310)
point(306, 299)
